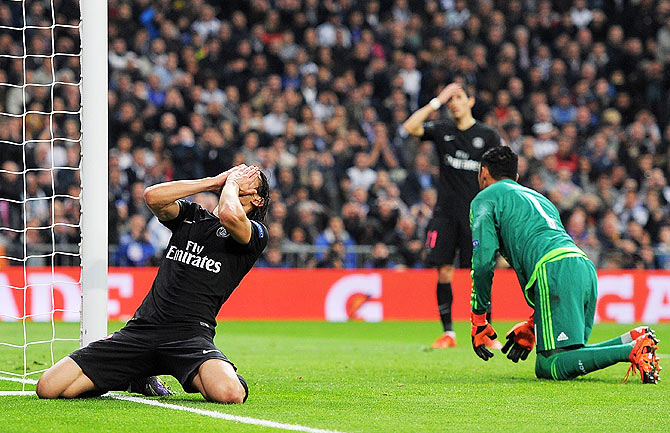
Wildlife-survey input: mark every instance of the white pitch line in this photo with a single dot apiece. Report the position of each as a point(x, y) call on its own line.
point(211, 413)
point(220, 415)
point(17, 393)
point(19, 379)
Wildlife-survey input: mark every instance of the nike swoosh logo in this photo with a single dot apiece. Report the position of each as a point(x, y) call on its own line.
point(205, 352)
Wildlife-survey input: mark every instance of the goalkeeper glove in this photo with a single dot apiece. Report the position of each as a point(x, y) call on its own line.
point(482, 333)
point(520, 340)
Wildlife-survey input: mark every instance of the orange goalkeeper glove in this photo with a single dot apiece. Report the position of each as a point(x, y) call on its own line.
point(482, 333)
point(520, 340)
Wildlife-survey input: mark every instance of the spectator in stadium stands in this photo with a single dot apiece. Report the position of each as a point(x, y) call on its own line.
point(361, 175)
point(66, 234)
point(325, 82)
point(135, 203)
point(662, 248)
point(335, 233)
point(380, 257)
point(298, 250)
point(272, 258)
point(135, 248)
point(629, 207)
point(417, 180)
point(409, 245)
point(189, 154)
point(11, 187)
point(355, 223)
point(334, 257)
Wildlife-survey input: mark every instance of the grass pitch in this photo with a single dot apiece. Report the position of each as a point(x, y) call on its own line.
point(355, 377)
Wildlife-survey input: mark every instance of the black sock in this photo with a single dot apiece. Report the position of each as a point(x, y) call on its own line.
point(444, 298)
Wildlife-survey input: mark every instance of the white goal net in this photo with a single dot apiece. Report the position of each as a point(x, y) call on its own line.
point(43, 183)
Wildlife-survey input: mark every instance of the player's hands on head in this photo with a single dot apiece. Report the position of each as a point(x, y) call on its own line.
point(520, 340)
point(482, 333)
point(449, 91)
point(248, 178)
point(220, 179)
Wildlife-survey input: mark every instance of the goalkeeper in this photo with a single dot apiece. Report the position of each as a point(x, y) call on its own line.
point(558, 280)
point(172, 332)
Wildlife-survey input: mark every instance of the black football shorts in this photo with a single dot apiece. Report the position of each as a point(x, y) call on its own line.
point(136, 352)
point(445, 236)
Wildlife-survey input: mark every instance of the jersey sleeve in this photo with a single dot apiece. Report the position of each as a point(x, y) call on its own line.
point(484, 247)
point(186, 208)
point(432, 129)
point(259, 238)
point(494, 139)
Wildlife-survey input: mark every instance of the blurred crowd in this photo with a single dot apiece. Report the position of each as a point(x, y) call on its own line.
point(315, 93)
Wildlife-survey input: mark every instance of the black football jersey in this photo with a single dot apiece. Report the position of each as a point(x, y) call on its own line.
point(200, 268)
point(459, 153)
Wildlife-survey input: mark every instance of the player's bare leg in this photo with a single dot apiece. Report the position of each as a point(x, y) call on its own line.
point(217, 382)
point(65, 379)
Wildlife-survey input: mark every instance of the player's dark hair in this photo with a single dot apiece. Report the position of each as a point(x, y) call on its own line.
point(258, 213)
point(464, 86)
point(501, 162)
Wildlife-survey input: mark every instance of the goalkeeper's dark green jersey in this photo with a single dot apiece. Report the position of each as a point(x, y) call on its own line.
point(524, 227)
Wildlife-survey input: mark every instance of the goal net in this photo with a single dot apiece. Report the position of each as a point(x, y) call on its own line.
point(53, 153)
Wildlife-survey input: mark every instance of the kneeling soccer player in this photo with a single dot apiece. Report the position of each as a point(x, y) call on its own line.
point(172, 332)
point(558, 280)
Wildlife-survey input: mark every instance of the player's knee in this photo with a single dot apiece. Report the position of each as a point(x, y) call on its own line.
point(227, 392)
point(445, 274)
point(45, 389)
point(543, 367)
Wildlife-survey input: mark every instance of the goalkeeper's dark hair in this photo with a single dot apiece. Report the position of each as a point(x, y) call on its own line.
point(501, 162)
point(258, 213)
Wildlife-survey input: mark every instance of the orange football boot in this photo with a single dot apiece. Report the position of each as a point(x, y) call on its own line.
point(643, 359)
point(444, 341)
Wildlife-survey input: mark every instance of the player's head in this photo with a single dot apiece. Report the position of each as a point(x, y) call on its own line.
point(461, 103)
point(261, 200)
point(498, 163)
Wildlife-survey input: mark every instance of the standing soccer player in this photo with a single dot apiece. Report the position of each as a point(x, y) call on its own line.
point(460, 145)
point(558, 281)
point(172, 332)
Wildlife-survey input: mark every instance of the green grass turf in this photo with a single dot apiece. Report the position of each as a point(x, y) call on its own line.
point(358, 377)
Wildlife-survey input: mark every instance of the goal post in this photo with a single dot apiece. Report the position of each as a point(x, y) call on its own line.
point(94, 190)
point(53, 182)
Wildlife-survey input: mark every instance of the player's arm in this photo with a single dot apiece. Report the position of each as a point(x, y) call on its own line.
point(162, 198)
point(414, 124)
point(485, 245)
point(230, 211)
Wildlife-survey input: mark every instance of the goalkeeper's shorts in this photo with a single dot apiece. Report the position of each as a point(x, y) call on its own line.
point(138, 352)
point(565, 302)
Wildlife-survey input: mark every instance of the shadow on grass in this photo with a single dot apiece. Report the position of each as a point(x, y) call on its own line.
point(180, 397)
point(473, 379)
